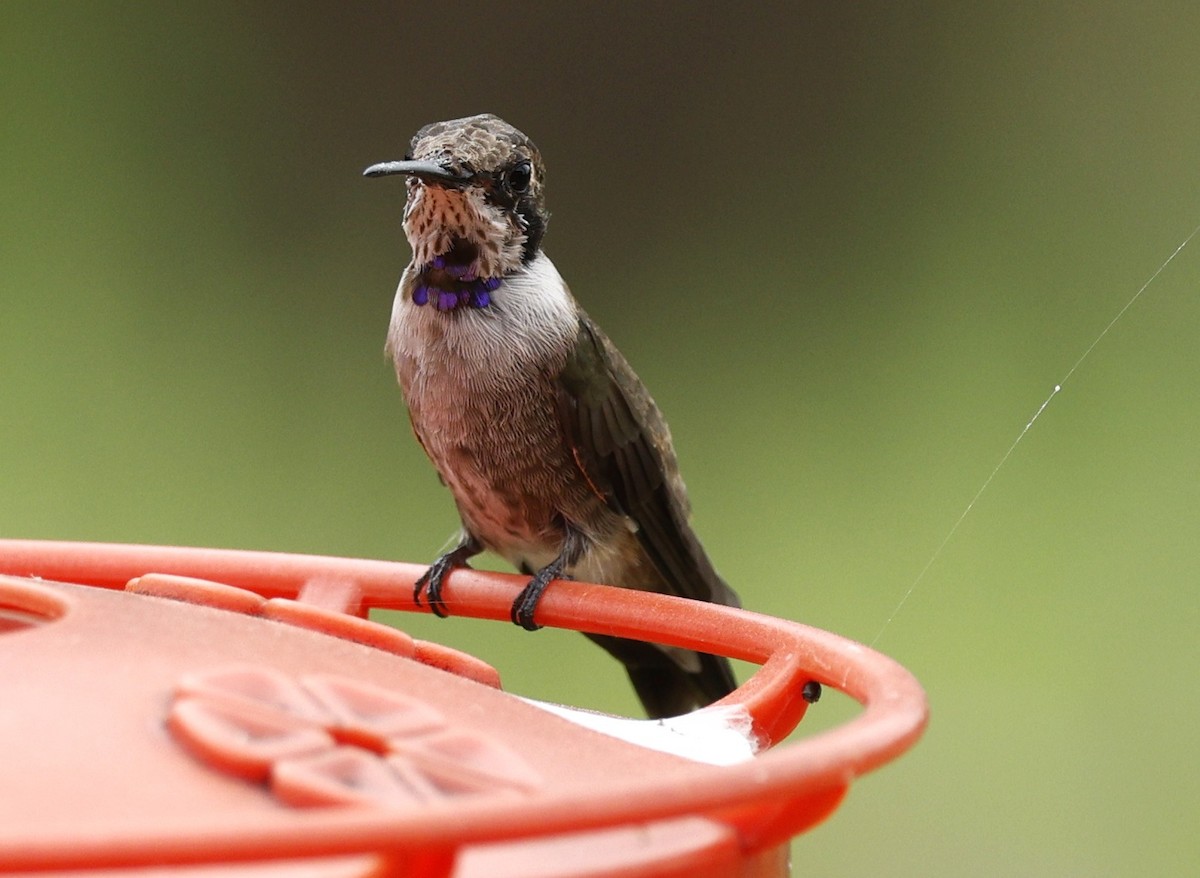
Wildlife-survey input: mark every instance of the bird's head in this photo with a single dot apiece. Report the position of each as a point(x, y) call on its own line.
point(476, 208)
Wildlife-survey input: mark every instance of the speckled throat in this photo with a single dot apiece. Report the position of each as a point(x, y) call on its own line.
point(462, 244)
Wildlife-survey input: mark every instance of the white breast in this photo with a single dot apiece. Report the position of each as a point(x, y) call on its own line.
point(533, 319)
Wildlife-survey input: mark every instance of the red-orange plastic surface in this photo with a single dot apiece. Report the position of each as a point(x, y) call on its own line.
point(254, 722)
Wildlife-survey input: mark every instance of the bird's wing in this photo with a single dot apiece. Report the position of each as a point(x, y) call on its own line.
point(621, 443)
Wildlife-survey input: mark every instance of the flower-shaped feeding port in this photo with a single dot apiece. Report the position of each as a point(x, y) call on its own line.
point(323, 739)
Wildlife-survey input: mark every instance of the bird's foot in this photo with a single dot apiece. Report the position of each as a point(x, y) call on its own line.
point(433, 579)
point(526, 603)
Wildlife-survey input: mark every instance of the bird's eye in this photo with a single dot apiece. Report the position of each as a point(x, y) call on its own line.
point(519, 176)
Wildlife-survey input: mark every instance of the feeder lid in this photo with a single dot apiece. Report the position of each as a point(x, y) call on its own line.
point(187, 720)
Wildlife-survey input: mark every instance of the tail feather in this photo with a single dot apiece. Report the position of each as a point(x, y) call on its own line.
point(662, 685)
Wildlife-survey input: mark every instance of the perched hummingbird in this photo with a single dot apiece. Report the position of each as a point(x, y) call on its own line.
point(556, 455)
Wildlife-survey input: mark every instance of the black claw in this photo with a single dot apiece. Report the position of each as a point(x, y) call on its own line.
point(432, 580)
point(431, 583)
point(811, 692)
point(526, 603)
point(419, 586)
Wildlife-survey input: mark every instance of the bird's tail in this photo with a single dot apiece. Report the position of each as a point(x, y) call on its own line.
point(668, 681)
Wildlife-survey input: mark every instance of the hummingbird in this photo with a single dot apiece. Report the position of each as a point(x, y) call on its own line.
point(556, 455)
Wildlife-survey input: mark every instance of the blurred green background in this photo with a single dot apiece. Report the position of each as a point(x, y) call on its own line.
point(850, 250)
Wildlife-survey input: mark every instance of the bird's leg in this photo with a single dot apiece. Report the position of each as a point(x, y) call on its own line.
point(434, 578)
point(523, 607)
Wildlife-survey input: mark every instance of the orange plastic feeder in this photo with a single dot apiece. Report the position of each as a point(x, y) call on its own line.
point(198, 712)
